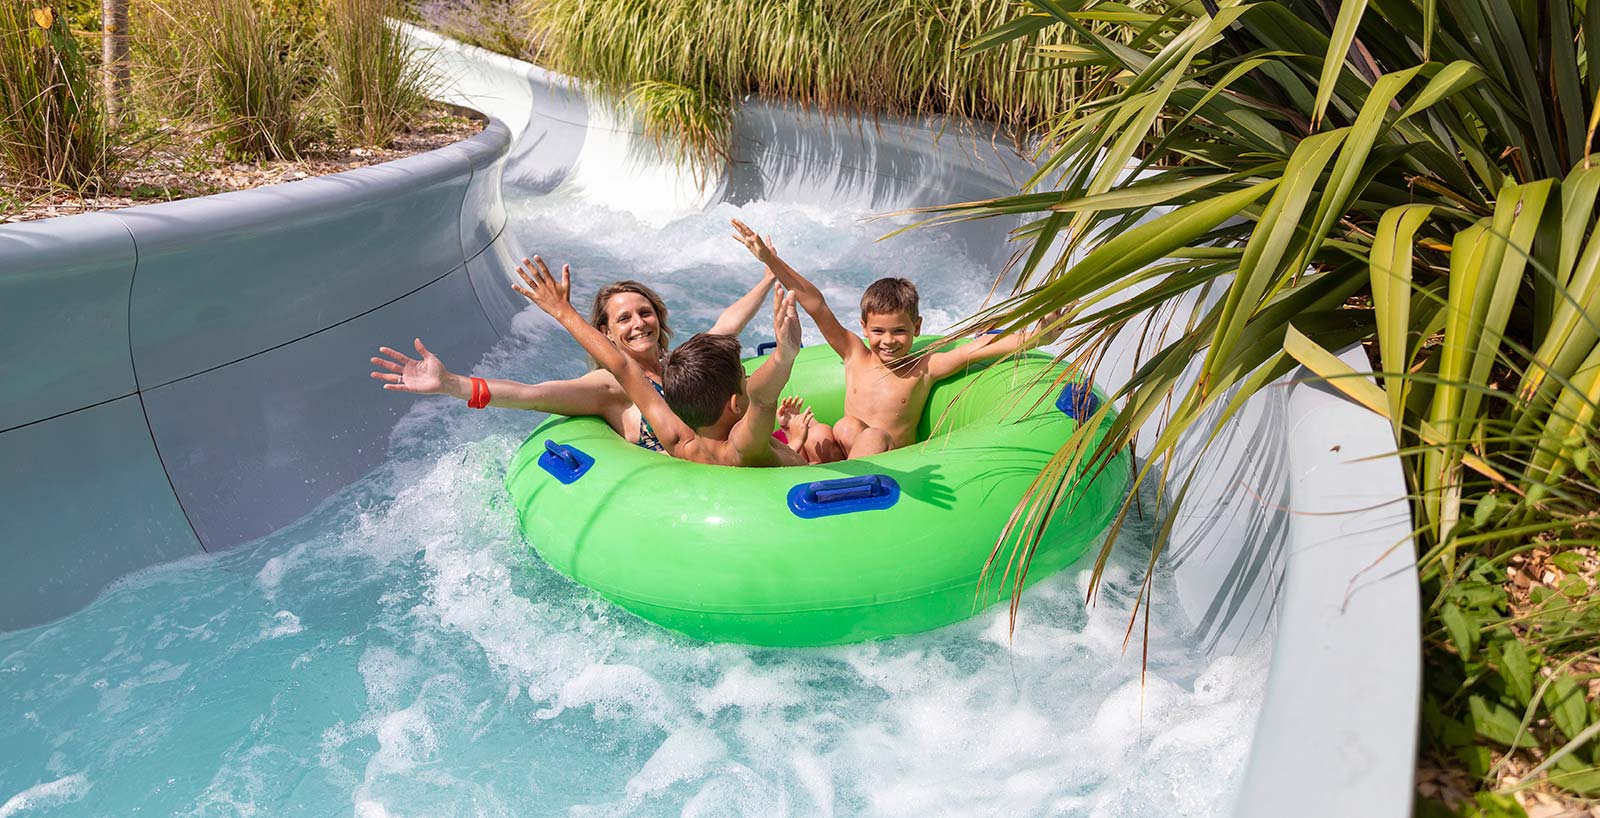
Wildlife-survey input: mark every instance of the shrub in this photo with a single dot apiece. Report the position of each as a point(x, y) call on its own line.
point(51, 130)
point(375, 80)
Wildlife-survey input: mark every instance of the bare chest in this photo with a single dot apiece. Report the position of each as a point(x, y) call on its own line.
point(877, 393)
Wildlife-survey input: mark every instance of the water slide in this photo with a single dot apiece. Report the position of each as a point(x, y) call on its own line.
point(187, 377)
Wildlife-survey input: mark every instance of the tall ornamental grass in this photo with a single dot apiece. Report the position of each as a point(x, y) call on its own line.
point(376, 82)
point(236, 66)
point(52, 133)
point(897, 57)
point(1416, 175)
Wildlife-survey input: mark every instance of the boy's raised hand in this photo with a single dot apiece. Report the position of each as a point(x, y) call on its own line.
point(406, 374)
point(785, 324)
point(543, 289)
point(758, 247)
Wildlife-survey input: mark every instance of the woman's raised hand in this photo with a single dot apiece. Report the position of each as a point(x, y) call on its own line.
point(542, 288)
point(403, 373)
point(758, 247)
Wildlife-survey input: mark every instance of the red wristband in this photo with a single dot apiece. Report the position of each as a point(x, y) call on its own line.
point(480, 394)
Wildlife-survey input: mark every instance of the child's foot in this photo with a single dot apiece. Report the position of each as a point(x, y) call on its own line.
point(795, 421)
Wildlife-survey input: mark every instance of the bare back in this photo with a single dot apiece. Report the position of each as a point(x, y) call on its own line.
point(723, 453)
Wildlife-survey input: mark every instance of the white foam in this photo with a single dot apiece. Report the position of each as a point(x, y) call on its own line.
point(618, 692)
point(284, 623)
point(743, 687)
point(686, 755)
point(49, 794)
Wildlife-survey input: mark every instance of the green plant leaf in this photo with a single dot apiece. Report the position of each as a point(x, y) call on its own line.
point(1565, 701)
point(1516, 670)
point(1568, 561)
point(1496, 722)
point(1461, 631)
point(1573, 774)
point(1339, 42)
point(1476, 758)
point(1498, 805)
point(1480, 597)
point(1574, 588)
point(1485, 510)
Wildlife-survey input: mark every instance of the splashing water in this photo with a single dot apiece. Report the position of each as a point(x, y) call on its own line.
point(400, 652)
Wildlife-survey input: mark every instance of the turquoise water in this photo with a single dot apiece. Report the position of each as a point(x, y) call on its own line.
point(399, 652)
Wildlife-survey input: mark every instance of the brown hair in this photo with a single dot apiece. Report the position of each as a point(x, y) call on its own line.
point(699, 377)
point(600, 321)
point(890, 296)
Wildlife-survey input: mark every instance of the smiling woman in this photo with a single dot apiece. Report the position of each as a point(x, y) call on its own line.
point(630, 314)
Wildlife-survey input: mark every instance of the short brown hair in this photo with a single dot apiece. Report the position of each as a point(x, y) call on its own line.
point(600, 321)
point(890, 296)
point(700, 375)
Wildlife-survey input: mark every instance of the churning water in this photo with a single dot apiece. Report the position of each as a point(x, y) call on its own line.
point(401, 652)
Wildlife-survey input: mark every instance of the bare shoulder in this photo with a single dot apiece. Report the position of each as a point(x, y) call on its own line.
point(702, 450)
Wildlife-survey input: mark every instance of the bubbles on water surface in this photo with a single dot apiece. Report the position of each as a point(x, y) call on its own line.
point(400, 652)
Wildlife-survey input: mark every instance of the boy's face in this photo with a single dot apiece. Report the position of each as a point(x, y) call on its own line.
point(632, 324)
point(889, 335)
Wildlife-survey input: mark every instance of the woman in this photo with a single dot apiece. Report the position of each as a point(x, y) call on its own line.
point(627, 312)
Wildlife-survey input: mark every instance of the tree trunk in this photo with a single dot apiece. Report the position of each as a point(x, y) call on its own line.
point(114, 57)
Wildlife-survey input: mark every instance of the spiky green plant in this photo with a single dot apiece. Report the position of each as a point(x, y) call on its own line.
point(1429, 162)
point(51, 129)
point(376, 80)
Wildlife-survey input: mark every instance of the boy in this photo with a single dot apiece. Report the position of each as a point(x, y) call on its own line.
point(708, 414)
point(885, 390)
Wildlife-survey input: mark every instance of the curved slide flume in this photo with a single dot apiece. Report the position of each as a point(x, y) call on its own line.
point(178, 377)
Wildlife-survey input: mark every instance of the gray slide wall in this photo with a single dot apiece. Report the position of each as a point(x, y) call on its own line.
point(181, 379)
point(185, 375)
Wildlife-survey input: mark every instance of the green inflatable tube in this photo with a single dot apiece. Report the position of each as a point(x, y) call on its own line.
point(895, 545)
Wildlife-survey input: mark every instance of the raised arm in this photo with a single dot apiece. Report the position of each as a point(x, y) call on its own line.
point(751, 435)
point(990, 347)
point(588, 395)
point(733, 319)
point(806, 294)
point(552, 297)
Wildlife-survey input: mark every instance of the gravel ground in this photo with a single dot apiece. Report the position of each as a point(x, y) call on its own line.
point(177, 163)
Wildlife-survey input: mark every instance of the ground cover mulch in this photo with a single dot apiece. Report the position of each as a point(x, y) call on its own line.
point(176, 161)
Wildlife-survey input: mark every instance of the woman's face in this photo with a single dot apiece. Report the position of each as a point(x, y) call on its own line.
point(632, 324)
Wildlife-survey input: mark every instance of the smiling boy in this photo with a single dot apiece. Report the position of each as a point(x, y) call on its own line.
point(886, 387)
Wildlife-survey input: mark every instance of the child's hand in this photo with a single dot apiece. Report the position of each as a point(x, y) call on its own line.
point(1050, 327)
point(795, 420)
point(790, 407)
point(542, 288)
point(406, 374)
point(785, 324)
point(758, 247)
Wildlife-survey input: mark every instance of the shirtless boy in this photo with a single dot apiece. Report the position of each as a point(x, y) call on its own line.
point(885, 386)
point(709, 413)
